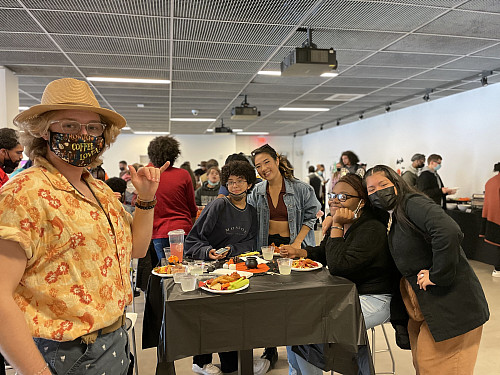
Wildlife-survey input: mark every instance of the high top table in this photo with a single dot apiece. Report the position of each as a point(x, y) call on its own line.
point(303, 308)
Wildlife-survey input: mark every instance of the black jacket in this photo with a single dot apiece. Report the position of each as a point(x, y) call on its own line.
point(427, 183)
point(363, 257)
point(456, 304)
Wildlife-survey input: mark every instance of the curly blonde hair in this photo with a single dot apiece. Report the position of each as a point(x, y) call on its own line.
point(32, 130)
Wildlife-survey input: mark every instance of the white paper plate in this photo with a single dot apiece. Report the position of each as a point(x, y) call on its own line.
point(162, 274)
point(308, 269)
point(229, 291)
point(225, 271)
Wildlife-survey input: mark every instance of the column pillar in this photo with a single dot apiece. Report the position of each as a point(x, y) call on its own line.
point(9, 97)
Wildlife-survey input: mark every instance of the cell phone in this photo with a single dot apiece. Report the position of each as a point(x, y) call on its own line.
point(221, 251)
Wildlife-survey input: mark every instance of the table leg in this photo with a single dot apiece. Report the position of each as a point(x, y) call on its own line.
point(165, 368)
point(245, 362)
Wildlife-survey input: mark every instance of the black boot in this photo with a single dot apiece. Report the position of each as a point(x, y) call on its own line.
point(271, 354)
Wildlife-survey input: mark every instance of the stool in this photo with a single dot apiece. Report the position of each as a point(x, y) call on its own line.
point(131, 319)
point(383, 350)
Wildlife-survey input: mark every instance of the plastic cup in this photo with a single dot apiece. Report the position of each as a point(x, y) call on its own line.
point(176, 239)
point(188, 282)
point(285, 266)
point(267, 252)
point(163, 262)
point(196, 268)
point(178, 272)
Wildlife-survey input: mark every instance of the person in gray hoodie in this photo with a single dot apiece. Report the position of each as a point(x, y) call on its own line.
point(209, 189)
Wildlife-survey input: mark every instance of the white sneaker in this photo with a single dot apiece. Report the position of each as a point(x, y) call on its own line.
point(495, 273)
point(208, 369)
point(260, 366)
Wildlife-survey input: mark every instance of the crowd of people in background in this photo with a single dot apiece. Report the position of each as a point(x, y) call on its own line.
point(386, 233)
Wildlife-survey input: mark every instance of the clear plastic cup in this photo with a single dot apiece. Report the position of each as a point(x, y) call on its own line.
point(188, 282)
point(176, 239)
point(267, 252)
point(285, 265)
point(178, 272)
point(196, 267)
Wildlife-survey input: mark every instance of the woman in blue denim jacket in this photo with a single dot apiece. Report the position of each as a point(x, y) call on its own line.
point(281, 190)
point(286, 209)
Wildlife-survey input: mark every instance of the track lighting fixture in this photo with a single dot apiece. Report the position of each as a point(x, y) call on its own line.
point(307, 131)
point(294, 135)
point(426, 97)
point(484, 81)
point(361, 116)
point(388, 107)
point(321, 127)
point(338, 122)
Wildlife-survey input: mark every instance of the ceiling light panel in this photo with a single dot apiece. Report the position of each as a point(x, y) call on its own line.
point(210, 77)
point(206, 86)
point(82, 23)
point(372, 15)
point(125, 73)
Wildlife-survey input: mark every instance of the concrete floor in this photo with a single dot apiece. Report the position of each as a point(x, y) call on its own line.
point(488, 362)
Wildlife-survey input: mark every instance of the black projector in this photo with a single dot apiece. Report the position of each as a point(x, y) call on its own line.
point(309, 62)
point(223, 130)
point(244, 113)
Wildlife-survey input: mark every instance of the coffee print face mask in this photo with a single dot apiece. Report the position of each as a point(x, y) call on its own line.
point(76, 149)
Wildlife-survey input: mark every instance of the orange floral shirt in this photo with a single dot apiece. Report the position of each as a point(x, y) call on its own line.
point(77, 275)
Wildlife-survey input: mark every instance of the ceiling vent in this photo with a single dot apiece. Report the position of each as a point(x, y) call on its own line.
point(344, 97)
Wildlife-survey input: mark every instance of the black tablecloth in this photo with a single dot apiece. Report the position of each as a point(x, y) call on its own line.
point(474, 247)
point(303, 308)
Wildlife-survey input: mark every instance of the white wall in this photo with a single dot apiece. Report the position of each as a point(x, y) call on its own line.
point(196, 148)
point(464, 129)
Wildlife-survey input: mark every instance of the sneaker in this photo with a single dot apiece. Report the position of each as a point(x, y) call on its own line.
point(495, 273)
point(208, 369)
point(261, 366)
point(271, 354)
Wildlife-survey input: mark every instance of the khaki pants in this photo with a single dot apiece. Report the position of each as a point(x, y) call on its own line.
point(455, 356)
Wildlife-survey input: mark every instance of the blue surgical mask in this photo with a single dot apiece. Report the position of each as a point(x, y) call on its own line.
point(212, 183)
point(320, 173)
point(437, 167)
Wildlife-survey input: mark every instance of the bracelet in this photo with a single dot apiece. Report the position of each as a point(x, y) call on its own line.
point(334, 227)
point(145, 205)
point(40, 372)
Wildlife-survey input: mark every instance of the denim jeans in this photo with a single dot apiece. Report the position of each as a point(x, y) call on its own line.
point(159, 244)
point(376, 310)
point(109, 354)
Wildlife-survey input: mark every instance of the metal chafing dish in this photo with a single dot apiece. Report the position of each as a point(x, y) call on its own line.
point(477, 200)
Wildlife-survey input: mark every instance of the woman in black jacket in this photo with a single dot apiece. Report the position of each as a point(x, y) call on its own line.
point(443, 297)
point(355, 247)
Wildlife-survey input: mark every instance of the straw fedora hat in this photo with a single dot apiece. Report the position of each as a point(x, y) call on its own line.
point(69, 93)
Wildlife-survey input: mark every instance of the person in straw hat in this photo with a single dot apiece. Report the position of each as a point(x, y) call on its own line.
point(66, 242)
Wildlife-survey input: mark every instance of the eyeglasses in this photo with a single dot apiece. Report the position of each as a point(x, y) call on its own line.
point(341, 196)
point(74, 127)
point(237, 183)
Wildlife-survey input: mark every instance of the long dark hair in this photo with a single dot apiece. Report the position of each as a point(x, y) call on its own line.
point(403, 190)
point(353, 158)
point(284, 166)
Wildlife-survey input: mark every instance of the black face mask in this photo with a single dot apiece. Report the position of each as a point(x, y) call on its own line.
point(122, 168)
point(8, 165)
point(384, 198)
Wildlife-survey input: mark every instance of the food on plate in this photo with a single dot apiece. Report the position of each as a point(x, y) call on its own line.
point(165, 270)
point(173, 259)
point(304, 263)
point(227, 282)
point(249, 253)
point(463, 199)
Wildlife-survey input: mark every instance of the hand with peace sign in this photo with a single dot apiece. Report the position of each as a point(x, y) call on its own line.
point(146, 180)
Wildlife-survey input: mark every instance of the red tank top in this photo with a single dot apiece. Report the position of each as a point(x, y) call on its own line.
point(278, 213)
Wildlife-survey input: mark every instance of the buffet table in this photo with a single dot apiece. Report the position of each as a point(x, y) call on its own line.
point(303, 308)
point(474, 247)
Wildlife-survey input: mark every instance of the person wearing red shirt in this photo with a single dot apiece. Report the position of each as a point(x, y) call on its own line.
point(176, 207)
point(11, 153)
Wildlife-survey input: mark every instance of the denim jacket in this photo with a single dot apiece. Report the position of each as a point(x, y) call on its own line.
point(301, 204)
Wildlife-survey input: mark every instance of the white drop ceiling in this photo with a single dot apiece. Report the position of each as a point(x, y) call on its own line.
point(389, 53)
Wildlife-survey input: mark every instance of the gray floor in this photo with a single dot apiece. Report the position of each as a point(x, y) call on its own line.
point(488, 362)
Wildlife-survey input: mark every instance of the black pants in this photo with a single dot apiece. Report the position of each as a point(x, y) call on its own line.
point(278, 240)
point(228, 361)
